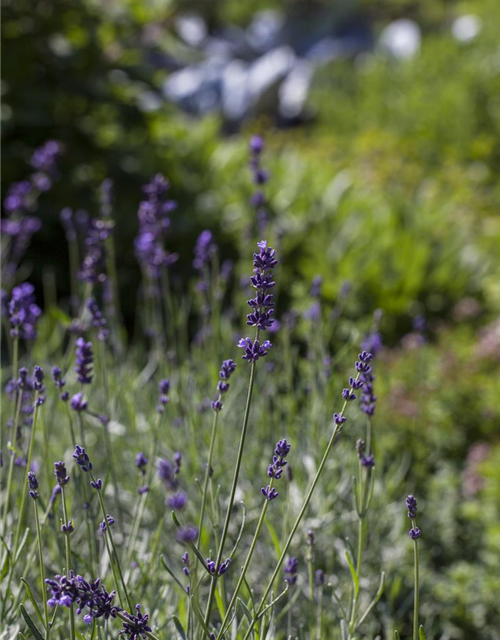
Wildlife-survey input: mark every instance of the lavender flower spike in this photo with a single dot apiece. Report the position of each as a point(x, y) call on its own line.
point(411, 505)
point(84, 361)
point(136, 626)
point(227, 369)
point(33, 485)
point(82, 458)
point(275, 470)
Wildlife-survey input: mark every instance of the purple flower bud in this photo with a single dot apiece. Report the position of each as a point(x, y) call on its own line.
point(187, 534)
point(78, 402)
point(414, 533)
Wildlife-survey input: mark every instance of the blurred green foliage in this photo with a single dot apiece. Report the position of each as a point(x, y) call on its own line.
point(394, 182)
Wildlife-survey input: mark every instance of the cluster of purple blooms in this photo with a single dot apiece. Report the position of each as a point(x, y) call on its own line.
point(84, 361)
point(153, 226)
point(363, 367)
point(227, 369)
point(23, 311)
point(90, 596)
point(263, 304)
point(411, 505)
point(275, 469)
point(98, 320)
point(259, 176)
point(22, 198)
point(38, 385)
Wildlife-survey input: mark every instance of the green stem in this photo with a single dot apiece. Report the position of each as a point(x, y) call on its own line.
point(207, 473)
point(28, 467)
point(415, 586)
point(11, 466)
point(67, 545)
point(42, 570)
point(296, 524)
point(114, 556)
point(233, 490)
point(245, 567)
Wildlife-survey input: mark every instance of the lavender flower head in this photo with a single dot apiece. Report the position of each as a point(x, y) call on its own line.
point(78, 402)
point(290, 570)
point(275, 469)
point(411, 505)
point(98, 320)
point(24, 313)
point(93, 269)
point(82, 459)
point(187, 534)
point(153, 226)
point(84, 361)
point(263, 304)
point(204, 251)
point(259, 177)
point(140, 462)
point(227, 369)
point(61, 473)
point(163, 400)
point(32, 485)
point(136, 626)
point(177, 501)
point(89, 596)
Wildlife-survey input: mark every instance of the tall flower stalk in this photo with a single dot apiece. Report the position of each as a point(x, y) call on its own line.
point(264, 261)
point(362, 364)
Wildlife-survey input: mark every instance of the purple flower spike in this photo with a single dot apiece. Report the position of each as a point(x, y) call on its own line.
point(414, 533)
point(339, 419)
point(177, 501)
point(269, 492)
point(98, 321)
point(33, 485)
point(24, 313)
point(82, 459)
point(254, 350)
point(61, 473)
point(154, 224)
point(84, 361)
point(411, 505)
point(290, 570)
point(136, 626)
point(78, 402)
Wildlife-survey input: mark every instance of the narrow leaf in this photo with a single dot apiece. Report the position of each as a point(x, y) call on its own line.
point(274, 537)
point(396, 636)
point(179, 627)
point(421, 633)
point(354, 575)
point(33, 601)
point(31, 625)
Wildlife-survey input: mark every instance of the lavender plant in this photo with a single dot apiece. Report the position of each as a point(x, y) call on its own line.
point(157, 524)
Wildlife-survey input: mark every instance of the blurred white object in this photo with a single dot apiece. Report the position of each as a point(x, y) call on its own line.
point(265, 76)
point(264, 30)
point(294, 90)
point(192, 29)
point(401, 39)
point(466, 28)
